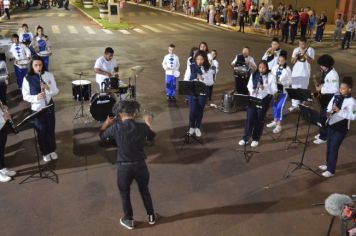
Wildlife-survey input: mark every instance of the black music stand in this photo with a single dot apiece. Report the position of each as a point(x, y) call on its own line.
point(43, 172)
point(191, 88)
point(243, 100)
point(312, 117)
point(302, 95)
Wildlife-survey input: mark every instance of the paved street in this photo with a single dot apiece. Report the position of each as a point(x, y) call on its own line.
point(200, 190)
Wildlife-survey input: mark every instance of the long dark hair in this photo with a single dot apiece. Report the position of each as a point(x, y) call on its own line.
point(264, 62)
point(206, 64)
point(39, 27)
point(191, 53)
point(206, 45)
point(30, 70)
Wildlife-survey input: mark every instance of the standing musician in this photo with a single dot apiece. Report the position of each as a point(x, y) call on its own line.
point(25, 35)
point(272, 54)
point(243, 65)
point(262, 85)
point(106, 67)
point(329, 86)
point(130, 137)
point(342, 109)
point(171, 66)
point(42, 45)
point(302, 58)
point(283, 77)
point(199, 70)
point(38, 89)
point(20, 53)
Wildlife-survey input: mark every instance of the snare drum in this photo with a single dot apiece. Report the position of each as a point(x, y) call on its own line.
point(122, 88)
point(81, 90)
point(22, 63)
point(101, 105)
point(44, 53)
point(111, 83)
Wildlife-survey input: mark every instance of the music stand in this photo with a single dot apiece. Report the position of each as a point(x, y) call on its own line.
point(243, 100)
point(312, 117)
point(43, 172)
point(302, 95)
point(191, 88)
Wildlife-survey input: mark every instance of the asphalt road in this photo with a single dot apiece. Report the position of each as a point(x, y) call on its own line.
point(204, 189)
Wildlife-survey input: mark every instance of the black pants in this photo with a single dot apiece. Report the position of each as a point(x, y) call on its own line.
point(285, 34)
point(3, 88)
point(255, 120)
point(66, 4)
point(44, 125)
point(3, 139)
point(335, 139)
point(7, 11)
point(242, 23)
point(324, 100)
point(347, 39)
point(303, 30)
point(126, 173)
point(210, 92)
point(241, 85)
point(293, 33)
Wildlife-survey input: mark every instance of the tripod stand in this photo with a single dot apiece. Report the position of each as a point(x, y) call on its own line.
point(80, 110)
point(188, 137)
point(312, 117)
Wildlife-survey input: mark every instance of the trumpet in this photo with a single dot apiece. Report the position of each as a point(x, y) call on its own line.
point(270, 52)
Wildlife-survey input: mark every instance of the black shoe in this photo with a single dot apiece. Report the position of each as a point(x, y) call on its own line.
point(168, 98)
point(173, 99)
point(128, 224)
point(152, 219)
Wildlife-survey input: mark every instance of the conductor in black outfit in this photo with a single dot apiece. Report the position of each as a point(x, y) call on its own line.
point(130, 137)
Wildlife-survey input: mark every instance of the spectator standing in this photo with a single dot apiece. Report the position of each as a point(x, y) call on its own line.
point(320, 27)
point(339, 23)
point(304, 20)
point(268, 21)
point(311, 24)
point(7, 8)
point(234, 13)
point(350, 27)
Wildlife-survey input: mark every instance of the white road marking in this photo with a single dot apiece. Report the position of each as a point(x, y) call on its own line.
point(55, 29)
point(72, 29)
point(166, 27)
point(89, 30)
point(140, 31)
point(152, 28)
point(124, 31)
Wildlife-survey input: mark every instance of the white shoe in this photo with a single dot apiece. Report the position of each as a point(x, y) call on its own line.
point(317, 136)
point(327, 174)
point(272, 124)
point(254, 144)
point(319, 141)
point(277, 130)
point(7, 172)
point(191, 131)
point(322, 167)
point(242, 142)
point(292, 108)
point(54, 155)
point(4, 178)
point(197, 132)
point(47, 158)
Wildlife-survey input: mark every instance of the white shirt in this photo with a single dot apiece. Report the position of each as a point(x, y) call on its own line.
point(347, 111)
point(285, 78)
point(215, 68)
point(36, 104)
point(274, 61)
point(250, 62)
point(22, 33)
point(269, 86)
point(2, 120)
point(104, 65)
point(22, 53)
point(6, 4)
point(170, 66)
point(302, 69)
point(351, 26)
point(3, 72)
point(207, 75)
point(331, 83)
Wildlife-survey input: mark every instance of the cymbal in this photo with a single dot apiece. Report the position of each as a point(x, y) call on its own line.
point(137, 69)
point(80, 73)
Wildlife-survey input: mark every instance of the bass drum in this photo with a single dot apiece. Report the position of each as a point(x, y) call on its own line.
point(101, 105)
point(229, 104)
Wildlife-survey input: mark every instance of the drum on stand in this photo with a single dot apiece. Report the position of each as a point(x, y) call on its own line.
point(44, 53)
point(81, 90)
point(101, 105)
point(229, 104)
point(111, 84)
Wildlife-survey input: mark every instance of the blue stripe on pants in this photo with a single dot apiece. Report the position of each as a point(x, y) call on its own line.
point(20, 74)
point(170, 85)
point(45, 63)
point(278, 106)
point(335, 139)
point(196, 110)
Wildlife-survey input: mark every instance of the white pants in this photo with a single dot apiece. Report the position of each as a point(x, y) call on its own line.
point(299, 82)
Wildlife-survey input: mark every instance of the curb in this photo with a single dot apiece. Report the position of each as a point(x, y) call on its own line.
point(87, 15)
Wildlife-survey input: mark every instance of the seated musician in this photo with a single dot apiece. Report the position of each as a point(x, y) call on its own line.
point(106, 67)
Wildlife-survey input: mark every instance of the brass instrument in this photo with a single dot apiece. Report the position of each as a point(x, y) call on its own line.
point(270, 53)
point(302, 57)
point(10, 121)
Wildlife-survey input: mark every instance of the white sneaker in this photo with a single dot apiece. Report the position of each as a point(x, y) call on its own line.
point(4, 178)
point(54, 155)
point(322, 167)
point(272, 124)
point(277, 130)
point(47, 158)
point(317, 136)
point(197, 132)
point(254, 144)
point(191, 131)
point(327, 174)
point(292, 108)
point(242, 142)
point(7, 172)
point(319, 141)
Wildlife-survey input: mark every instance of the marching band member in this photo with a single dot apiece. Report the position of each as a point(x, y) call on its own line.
point(20, 53)
point(203, 46)
point(4, 78)
point(283, 77)
point(215, 68)
point(262, 85)
point(272, 54)
point(329, 85)
point(39, 86)
point(25, 36)
point(105, 66)
point(302, 58)
point(171, 66)
point(5, 174)
point(245, 62)
point(41, 44)
point(342, 109)
point(199, 70)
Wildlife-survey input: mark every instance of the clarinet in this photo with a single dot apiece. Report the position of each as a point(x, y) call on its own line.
point(10, 121)
point(43, 90)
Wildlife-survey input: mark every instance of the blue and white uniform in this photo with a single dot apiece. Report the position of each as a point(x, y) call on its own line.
point(21, 53)
point(338, 126)
point(171, 66)
point(42, 45)
point(283, 76)
point(272, 60)
point(25, 37)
